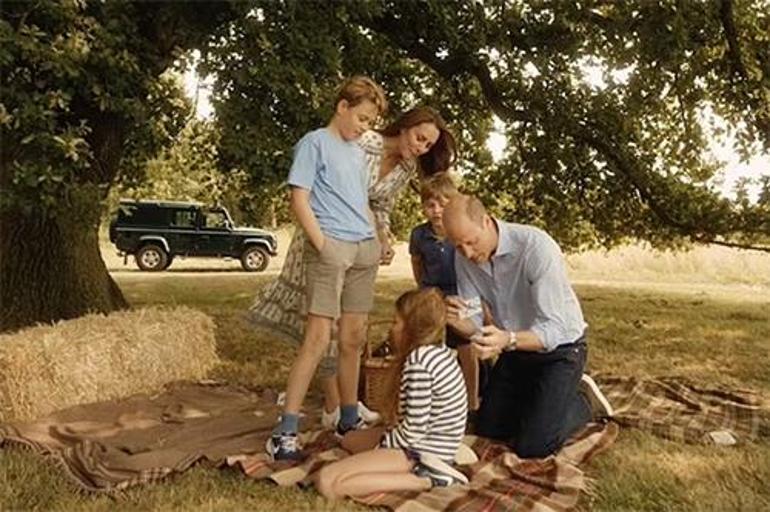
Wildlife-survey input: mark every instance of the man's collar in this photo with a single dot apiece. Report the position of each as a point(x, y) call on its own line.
point(504, 242)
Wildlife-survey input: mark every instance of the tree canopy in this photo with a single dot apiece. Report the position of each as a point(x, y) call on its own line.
point(85, 103)
point(593, 164)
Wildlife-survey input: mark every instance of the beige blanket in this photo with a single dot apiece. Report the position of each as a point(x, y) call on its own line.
point(113, 445)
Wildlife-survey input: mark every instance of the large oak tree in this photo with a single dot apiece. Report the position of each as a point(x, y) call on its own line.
point(593, 164)
point(81, 96)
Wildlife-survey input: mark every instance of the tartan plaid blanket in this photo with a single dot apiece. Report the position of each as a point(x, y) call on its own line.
point(109, 446)
point(498, 481)
point(680, 410)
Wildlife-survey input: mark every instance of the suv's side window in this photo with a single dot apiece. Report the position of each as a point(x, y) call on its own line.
point(184, 219)
point(214, 220)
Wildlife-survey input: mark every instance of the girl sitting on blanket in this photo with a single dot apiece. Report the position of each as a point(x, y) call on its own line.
point(426, 414)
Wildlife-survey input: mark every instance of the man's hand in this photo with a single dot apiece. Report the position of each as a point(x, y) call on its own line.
point(490, 342)
point(454, 308)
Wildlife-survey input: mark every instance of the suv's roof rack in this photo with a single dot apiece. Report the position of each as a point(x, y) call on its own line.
point(160, 202)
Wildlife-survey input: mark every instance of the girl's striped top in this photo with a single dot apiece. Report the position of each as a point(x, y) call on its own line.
point(433, 404)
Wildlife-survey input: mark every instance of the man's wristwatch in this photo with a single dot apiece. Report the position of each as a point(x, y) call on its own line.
point(511, 341)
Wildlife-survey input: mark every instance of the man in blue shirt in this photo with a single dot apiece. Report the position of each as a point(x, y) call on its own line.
point(537, 395)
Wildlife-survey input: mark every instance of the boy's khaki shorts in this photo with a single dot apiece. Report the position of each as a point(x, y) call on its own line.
point(341, 277)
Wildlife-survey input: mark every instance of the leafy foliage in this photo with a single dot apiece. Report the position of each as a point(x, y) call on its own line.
point(82, 88)
point(276, 70)
point(592, 162)
point(84, 103)
point(82, 98)
point(186, 170)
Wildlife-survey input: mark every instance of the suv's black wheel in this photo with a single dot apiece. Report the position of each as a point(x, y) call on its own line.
point(254, 259)
point(152, 258)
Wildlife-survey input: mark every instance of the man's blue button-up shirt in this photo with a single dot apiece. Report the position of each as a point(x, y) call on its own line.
point(525, 284)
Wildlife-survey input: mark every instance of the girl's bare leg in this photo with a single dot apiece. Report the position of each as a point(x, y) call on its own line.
point(380, 470)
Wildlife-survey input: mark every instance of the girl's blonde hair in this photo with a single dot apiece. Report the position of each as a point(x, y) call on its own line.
point(358, 88)
point(424, 315)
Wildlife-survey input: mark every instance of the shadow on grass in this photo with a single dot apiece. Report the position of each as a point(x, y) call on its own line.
point(712, 339)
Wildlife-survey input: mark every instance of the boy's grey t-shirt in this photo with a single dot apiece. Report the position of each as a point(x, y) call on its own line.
point(335, 173)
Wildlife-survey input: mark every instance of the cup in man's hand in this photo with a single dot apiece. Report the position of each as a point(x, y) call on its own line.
point(472, 308)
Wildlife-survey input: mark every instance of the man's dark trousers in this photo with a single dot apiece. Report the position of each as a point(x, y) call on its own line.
point(532, 400)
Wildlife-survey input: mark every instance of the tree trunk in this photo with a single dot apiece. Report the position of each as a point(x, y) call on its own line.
point(51, 267)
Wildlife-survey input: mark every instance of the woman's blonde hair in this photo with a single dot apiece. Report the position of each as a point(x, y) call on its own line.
point(424, 315)
point(358, 88)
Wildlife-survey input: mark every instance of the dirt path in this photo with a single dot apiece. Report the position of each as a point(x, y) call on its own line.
point(584, 272)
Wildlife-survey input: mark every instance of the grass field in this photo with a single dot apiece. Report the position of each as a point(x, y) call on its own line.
point(703, 315)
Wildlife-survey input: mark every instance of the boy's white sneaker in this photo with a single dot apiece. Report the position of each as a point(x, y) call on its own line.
point(329, 420)
point(368, 415)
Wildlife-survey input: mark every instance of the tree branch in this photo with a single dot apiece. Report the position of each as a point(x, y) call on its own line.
point(459, 63)
point(449, 68)
point(748, 247)
point(455, 65)
point(733, 44)
point(611, 153)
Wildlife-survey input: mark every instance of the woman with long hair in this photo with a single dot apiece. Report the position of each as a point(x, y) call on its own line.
point(418, 144)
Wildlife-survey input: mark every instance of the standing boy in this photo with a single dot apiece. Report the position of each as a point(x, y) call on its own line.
point(329, 197)
point(433, 264)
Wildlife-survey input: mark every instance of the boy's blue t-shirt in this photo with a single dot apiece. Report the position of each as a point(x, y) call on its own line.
point(438, 259)
point(335, 173)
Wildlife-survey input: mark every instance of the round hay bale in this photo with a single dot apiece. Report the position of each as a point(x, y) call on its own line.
point(101, 357)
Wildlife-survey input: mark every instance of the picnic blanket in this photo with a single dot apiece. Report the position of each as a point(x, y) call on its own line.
point(498, 481)
point(678, 409)
point(109, 446)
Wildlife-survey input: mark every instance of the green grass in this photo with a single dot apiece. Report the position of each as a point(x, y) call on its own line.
point(711, 335)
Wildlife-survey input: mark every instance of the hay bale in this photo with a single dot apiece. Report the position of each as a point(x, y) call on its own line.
point(100, 357)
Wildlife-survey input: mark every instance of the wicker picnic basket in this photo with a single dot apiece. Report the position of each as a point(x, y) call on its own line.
point(374, 369)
